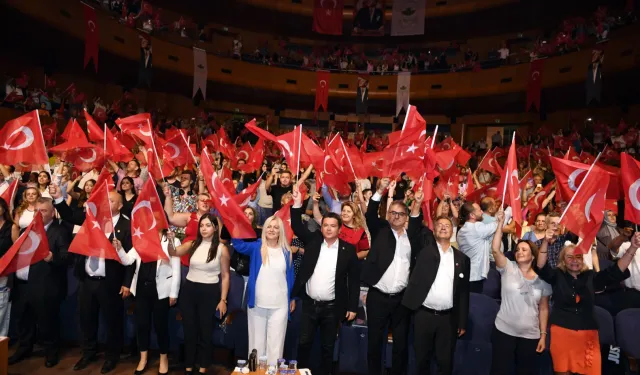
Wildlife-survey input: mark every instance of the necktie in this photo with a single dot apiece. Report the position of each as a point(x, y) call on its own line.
point(94, 263)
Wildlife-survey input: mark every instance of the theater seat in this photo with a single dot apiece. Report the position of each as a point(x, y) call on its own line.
point(492, 284)
point(482, 315)
point(293, 332)
point(353, 350)
point(471, 358)
point(628, 331)
point(605, 327)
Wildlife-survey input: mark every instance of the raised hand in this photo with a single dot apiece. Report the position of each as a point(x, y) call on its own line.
point(384, 183)
point(419, 196)
point(500, 215)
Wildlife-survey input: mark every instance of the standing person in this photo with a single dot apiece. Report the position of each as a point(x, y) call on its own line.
point(204, 292)
point(539, 229)
point(352, 230)
point(269, 289)
point(129, 196)
point(575, 346)
point(44, 179)
point(474, 239)
point(386, 271)
point(9, 233)
point(438, 293)
point(328, 283)
point(25, 212)
point(520, 331)
point(103, 285)
point(155, 286)
point(38, 291)
point(556, 242)
point(134, 171)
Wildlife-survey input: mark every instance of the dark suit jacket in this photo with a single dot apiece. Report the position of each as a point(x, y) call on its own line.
point(383, 246)
point(117, 274)
point(364, 20)
point(347, 277)
point(426, 269)
point(48, 280)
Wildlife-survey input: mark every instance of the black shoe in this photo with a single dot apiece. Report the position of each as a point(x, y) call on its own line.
point(18, 356)
point(108, 366)
point(51, 361)
point(140, 372)
point(84, 362)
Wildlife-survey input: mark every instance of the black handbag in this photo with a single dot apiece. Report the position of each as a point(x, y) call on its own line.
point(240, 263)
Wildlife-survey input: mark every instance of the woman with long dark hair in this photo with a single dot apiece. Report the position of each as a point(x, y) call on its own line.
point(44, 179)
point(9, 233)
point(204, 291)
point(129, 195)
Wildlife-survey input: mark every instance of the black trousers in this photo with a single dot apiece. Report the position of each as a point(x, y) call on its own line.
point(198, 304)
point(149, 306)
point(94, 295)
point(382, 310)
point(434, 334)
point(476, 286)
point(35, 316)
point(510, 351)
point(631, 298)
point(318, 315)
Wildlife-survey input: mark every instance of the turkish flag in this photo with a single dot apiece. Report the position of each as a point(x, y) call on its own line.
point(610, 153)
point(92, 241)
point(322, 89)
point(485, 191)
point(116, 150)
point(534, 205)
point(75, 139)
point(91, 38)
point(147, 219)
point(584, 215)
point(137, 125)
point(255, 159)
point(31, 247)
point(86, 158)
point(524, 152)
point(290, 144)
point(499, 152)
point(284, 213)
point(226, 176)
point(95, 131)
point(327, 16)
point(534, 87)
point(72, 130)
point(49, 132)
point(244, 152)
point(541, 154)
point(630, 183)
point(264, 134)
point(470, 186)
point(446, 159)
point(99, 205)
point(569, 175)
point(331, 175)
point(572, 155)
point(490, 164)
point(510, 179)
point(21, 139)
point(447, 144)
point(587, 158)
point(560, 142)
point(105, 176)
point(9, 194)
point(244, 197)
point(447, 185)
point(234, 219)
point(176, 151)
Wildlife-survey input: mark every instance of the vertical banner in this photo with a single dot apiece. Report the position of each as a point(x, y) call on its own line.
point(407, 17)
point(90, 37)
point(368, 17)
point(402, 92)
point(593, 83)
point(327, 16)
point(322, 90)
point(362, 94)
point(535, 84)
point(199, 72)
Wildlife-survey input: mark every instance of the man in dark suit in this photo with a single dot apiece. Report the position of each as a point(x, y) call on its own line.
point(328, 283)
point(103, 285)
point(386, 270)
point(39, 290)
point(369, 17)
point(438, 293)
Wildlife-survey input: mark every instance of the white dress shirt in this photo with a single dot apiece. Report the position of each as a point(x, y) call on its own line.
point(23, 273)
point(322, 284)
point(396, 277)
point(634, 267)
point(474, 240)
point(440, 295)
point(101, 271)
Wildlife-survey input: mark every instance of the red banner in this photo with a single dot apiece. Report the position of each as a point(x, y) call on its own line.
point(322, 90)
point(327, 16)
point(90, 37)
point(534, 87)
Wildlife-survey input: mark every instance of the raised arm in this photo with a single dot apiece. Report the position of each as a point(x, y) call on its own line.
point(501, 260)
point(305, 175)
point(177, 250)
point(244, 247)
point(270, 177)
point(317, 215)
point(179, 219)
point(542, 268)
point(298, 227)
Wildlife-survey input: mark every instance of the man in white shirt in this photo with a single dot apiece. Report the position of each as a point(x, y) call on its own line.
point(328, 283)
point(631, 296)
point(438, 292)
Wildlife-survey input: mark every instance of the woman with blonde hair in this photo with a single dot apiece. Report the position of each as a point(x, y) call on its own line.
point(353, 226)
point(269, 288)
point(26, 210)
point(575, 347)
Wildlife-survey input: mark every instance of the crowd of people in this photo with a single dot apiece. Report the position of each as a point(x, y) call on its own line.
point(418, 265)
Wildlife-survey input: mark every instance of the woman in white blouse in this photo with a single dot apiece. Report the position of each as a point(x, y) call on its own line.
point(155, 286)
point(24, 213)
point(271, 279)
point(204, 292)
point(521, 324)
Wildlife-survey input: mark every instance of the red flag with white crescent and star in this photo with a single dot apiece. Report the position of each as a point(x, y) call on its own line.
point(147, 219)
point(512, 189)
point(534, 87)
point(630, 183)
point(91, 241)
point(91, 38)
point(31, 247)
point(327, 16)
point(534, 205)
point(21, 140)
point(322, 90)
point(284, 213)
point(100, 206)
point(9, 194)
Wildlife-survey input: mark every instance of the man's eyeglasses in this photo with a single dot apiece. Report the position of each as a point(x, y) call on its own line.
point(397, 214)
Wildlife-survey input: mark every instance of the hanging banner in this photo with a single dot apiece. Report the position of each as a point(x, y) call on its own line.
point(322, 90)
point(90, 37)
point(402, 92)
point(327, 16)
point(408, 17)
point(368, 18)
point(535, 84)
point(199, 72)
point(362, 94)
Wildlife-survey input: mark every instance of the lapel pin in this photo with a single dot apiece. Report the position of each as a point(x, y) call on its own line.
point(461, 275)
